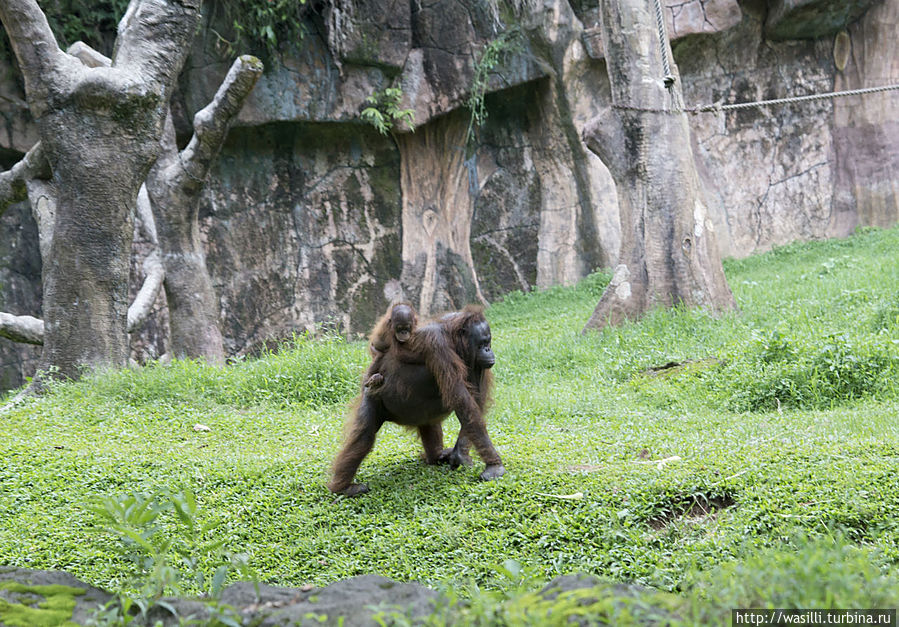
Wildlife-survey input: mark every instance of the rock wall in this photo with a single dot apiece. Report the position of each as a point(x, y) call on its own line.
point(20, 280)
point(302, 224)
point(771, 168)
point(311, 217)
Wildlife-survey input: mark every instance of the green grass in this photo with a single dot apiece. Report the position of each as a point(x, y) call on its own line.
point(775, 433)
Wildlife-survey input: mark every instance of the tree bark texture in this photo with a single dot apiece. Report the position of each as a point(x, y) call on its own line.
point(175, 184)
point(668, 251)
point(99, 129)
point(866, 172)
point(438, 206)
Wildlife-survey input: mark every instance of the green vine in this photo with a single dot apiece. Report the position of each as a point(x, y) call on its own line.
point(494, 54)
point(94, 23)
point(257, 26)
point(385, 113)
point(261, 26)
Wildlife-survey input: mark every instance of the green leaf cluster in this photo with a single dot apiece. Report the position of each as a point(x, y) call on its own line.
point(94, 23)
point(384, 112)
point(262, 26)
point(492, 56)
point(166, 559)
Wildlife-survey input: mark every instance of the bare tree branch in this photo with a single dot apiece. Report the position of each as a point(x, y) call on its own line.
point(29, 179)
point(154, 272)
point(42, 195)
point(13, 187)
point(175, 183)
point(146, 221)
point(211, 123)
point(143, 48)
point(24, 329)
point(88, 56)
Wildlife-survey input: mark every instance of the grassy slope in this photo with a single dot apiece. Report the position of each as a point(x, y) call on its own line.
point(782, 421)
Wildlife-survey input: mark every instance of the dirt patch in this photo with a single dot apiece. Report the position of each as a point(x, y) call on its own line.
point(697, 509)
point(583, 468)
point(678, 367)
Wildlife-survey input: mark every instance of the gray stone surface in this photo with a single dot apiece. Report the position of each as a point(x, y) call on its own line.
point(20, 276)
point(770, 168)
point(808, 19)
point(363, 601)
point(358, 601)
point(682, 18)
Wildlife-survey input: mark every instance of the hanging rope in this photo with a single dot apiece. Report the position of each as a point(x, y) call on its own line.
point(719, 107)
point(778, 101)
point(663, 40)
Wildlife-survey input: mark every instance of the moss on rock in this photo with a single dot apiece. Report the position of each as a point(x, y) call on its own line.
point(37, 605)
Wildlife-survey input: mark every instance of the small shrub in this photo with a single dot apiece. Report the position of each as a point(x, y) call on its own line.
point(305, 372)
point(886, 318)
point(166, 557)
point(776, 348)
point(384, 111)
point(783, 373)
point(821, 573)
point(262, 27)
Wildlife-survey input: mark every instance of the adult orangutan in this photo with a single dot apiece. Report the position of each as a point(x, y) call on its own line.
point(443, 368)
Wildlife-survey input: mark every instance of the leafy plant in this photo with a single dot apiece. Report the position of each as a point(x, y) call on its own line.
point(165, 560)
point(825, 373)
point(492, 56)
point(262, 26)
point(886, 317)
point(384, 112)
point(823, 572)
point(777, 347)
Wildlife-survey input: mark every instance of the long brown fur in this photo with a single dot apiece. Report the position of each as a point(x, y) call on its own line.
point(445, 347)
point(384, 336)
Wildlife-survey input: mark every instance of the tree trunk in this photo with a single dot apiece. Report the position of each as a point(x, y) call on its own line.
point(438, 270)
point(175, 185)
point(668, 250)
point(193, 305)
point(99, 130)
point(866, 154)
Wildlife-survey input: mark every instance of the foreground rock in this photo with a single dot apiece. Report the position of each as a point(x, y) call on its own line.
point(45, 597)
point(42, 597)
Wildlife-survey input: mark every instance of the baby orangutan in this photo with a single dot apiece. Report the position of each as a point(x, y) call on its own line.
point(393, 328)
